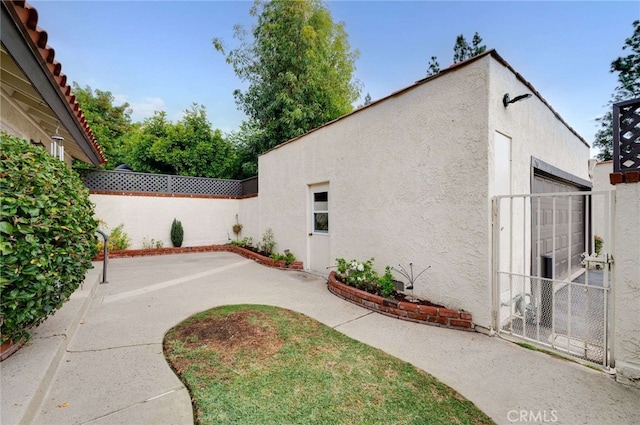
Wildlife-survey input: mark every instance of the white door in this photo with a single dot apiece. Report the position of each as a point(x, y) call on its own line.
point(319, 228)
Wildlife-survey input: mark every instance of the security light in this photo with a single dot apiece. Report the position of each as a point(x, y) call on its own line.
point(506, 101)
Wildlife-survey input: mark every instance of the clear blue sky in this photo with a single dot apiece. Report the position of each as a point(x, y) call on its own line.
point(157, 55)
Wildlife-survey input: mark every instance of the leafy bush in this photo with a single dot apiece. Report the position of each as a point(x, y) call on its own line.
point(387, 283)
point(48, 235)
point(268, 242)
point(598, 244)
point(287, 257)
point(354, 273)
point(151, 244)
point(244, 243)
point(177, 233)
point(118, 240)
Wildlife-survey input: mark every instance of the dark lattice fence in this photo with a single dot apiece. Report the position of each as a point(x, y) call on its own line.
point(626, 135)
point(127, 181)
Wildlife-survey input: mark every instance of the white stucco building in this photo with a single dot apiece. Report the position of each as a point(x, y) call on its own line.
point(410, 178)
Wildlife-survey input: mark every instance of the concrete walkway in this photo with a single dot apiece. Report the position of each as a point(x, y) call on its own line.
point(108, 367)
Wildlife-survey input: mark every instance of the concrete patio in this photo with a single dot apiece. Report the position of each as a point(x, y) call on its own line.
point(99, 360)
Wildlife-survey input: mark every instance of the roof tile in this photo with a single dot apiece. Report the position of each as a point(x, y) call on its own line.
point(28, 16)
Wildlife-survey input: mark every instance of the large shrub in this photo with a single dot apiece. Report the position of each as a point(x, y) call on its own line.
point(47, 235)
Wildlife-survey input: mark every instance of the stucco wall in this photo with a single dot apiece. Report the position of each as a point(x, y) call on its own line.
point(205, 221)
point(248, 213)
point(627, 284)
point(411, 179)
point(600, 179)
point(407, 183)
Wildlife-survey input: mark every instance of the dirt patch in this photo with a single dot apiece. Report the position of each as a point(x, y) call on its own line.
point(231, 333)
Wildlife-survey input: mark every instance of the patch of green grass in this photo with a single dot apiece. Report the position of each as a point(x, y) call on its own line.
point(556, 355)
point(258, 364)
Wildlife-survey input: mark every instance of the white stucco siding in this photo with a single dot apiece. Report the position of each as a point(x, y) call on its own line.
point(248, 213)
point(205, 221)
point(535, 131)
point(407, 183)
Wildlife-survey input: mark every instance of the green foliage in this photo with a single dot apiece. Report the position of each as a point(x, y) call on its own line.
point(354, 273)
point(47, 232)
point(244, 243)
point(387, 283)
point(598, 241)
point(151, 243)
point(462, 50)
point(299, 68)
point(287, 257)
point(188, 148)
point(108, 122)
point(118, 240)
point(628, 69)
point(268, 242)
point(177, 233)
point(434, 66)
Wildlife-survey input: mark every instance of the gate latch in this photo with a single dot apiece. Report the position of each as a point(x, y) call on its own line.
point(597, 262)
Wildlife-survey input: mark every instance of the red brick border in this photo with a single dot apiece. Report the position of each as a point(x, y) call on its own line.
point(437, 316)
point(624, 177)
point(265, 261)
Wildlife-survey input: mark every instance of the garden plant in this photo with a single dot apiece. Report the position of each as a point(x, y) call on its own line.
point(48, 235)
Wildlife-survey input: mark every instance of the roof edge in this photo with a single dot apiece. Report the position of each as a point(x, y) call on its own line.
point(451, 68)
point(25, 17)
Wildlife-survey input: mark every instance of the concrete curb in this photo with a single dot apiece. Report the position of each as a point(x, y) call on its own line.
point(28, 374)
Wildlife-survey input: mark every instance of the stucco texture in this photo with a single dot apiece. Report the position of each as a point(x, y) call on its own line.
point(205, 221)
point(627, 284)
point(410, 179)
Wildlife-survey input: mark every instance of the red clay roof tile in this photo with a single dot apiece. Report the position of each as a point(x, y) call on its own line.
point(28, 18)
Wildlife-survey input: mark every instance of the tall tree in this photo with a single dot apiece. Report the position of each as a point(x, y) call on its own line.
point(109, 123)
point(189, 147)
point(462, 50)
point(299, 66)
point(628, 69)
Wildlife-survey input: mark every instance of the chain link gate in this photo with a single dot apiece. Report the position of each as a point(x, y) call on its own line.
point(552, 266)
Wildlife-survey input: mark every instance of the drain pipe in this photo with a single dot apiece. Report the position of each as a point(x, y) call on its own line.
point(105, 261)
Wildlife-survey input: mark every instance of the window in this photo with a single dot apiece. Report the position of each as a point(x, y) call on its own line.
point(321, 212)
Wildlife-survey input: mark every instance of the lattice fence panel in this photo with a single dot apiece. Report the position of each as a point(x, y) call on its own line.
point(126, 181)
point(626, 135)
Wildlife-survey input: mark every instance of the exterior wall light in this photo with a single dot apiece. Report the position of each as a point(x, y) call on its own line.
point(506, 101)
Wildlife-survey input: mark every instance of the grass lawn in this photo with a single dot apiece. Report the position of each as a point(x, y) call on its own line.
point(250, 364)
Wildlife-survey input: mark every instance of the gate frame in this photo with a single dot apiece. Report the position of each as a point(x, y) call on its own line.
point(608, 362)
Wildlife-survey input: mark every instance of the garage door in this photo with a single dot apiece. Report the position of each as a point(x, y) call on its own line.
point(565, 224)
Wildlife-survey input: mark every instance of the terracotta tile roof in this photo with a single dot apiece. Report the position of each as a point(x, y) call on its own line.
point(28, 19)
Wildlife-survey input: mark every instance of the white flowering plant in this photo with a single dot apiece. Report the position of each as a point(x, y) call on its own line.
point(356, 273)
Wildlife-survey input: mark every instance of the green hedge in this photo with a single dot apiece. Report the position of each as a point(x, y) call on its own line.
point(47, 235)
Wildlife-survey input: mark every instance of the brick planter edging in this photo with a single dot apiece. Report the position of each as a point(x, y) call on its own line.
point(436, 316)
point(265, 261)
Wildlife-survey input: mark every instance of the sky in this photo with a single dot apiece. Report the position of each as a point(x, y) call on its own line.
point(158, 55)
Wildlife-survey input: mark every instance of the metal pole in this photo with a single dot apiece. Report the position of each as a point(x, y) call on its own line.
point(106, 256)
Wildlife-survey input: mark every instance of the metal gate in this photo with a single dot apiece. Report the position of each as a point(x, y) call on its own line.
point(564, 309)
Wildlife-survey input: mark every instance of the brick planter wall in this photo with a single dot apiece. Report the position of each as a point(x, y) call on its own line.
point(437, 316)
point(265, 261)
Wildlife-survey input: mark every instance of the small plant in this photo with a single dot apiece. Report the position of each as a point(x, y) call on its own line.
point(268, 242)
point(177, 233)
point(244, 243)
point(287, 257)
point(598, 241)
point(151, 244)
point(237, 228)
point(387, 283)
point(118, 240)
point(354, 273)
